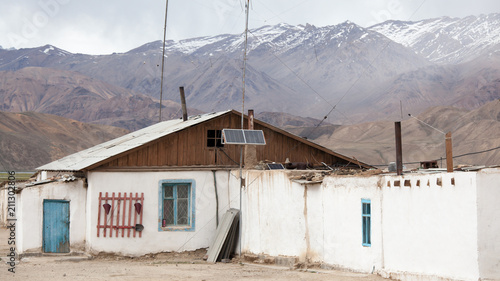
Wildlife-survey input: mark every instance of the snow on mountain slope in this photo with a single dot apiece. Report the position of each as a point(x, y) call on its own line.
point(446, 40)
point(280, 38)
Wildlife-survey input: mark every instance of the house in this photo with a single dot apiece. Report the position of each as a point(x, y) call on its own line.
point(426, 225)
point(162, 188)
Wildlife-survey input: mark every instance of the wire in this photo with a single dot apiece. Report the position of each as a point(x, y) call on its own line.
point(205, 225)
point(283, 12)
point(291, 70)
point(454, 157)
point(427, 124)
point(227, 156)
point(477, 152)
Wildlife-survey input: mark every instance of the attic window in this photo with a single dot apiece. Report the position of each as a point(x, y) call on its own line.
point(214, 138)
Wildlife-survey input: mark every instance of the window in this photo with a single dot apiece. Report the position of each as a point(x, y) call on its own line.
point(366, 221)
point(176, 202)
point(214, 138)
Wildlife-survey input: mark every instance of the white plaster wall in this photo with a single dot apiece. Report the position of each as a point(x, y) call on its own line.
point(273, 219)
point(29, 225)
point(430, 230)
point(153, 240)
point(318, 222)
point(488, 215)
point(343, 222)
point(422, 231)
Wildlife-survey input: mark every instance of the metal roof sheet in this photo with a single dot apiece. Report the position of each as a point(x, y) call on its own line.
point(88, 157)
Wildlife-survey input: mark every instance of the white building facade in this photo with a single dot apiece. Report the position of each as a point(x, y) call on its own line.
point(412, 227)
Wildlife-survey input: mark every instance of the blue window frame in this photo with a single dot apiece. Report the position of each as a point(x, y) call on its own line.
point(176, 205)
point(366, 221)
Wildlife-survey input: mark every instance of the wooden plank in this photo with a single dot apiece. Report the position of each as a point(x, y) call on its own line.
point(197, 156)
point(112, 215)
point(118, 213)
point(105, 216)
point(449, 153)
point(129, 213)
point(162, 153)
point(135, 214)
point(139, 157)
point(124, 208)
point(173, 156)
point(132, 159)
point(153, 154)
point(145, 156)
point(142, 211)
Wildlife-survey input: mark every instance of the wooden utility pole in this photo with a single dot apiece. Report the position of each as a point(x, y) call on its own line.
point(449, 153)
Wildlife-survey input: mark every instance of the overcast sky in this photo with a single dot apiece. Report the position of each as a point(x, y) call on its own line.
point(107, 26)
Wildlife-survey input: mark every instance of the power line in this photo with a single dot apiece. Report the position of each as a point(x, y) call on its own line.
point(458, 156)
point(292, 71)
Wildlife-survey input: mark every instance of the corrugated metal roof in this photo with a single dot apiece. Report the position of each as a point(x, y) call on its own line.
point(88, 157)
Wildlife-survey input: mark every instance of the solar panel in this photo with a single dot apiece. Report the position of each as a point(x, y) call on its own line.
point(238, 136)
point(232, 136)
point(275, 166)
point(254, 136)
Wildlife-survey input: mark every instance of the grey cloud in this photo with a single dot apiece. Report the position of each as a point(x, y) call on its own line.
point(117, 26)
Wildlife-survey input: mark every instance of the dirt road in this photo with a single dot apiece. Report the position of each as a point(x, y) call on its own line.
point(169, 266)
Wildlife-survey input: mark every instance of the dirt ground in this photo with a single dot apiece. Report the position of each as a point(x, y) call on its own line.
point(167, 266)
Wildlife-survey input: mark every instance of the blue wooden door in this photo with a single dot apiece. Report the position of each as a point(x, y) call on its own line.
point(55, 226)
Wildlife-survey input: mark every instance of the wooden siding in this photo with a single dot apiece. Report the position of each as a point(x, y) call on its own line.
point(189, 148)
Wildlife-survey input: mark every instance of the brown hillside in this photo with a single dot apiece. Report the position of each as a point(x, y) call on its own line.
point(472, 131)
point(76, 96)
point(30, 139)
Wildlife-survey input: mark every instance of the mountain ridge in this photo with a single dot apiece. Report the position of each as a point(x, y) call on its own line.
point(30, 139)
point(302, 70)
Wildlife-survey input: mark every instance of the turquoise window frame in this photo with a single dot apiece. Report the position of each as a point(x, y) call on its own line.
point(191, 202)
point(366, 224)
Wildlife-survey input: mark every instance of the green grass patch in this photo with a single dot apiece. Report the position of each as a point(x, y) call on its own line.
point(19, 175)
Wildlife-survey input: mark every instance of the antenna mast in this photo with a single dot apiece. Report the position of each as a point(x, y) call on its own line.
point(163, 57)
point(247, 6)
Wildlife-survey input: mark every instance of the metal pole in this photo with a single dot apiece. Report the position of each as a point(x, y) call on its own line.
point(242, 115)
point(399, 149)
point(163, 57)
point(245, 62)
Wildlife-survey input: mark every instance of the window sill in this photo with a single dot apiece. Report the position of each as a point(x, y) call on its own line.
point(176, 228)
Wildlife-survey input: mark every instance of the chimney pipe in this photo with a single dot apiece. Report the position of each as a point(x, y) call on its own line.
point(399, 149)
point(183, 102)
point(250, 119)
point(250, 150)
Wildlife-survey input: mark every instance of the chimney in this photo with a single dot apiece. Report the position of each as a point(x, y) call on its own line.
point(250, 119)
point(250, 150)
point(183, 102)
point(399, 149)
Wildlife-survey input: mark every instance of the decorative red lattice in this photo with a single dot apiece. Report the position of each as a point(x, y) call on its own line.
point(121, 211)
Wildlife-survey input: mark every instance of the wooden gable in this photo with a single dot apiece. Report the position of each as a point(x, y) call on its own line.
point(189, 147)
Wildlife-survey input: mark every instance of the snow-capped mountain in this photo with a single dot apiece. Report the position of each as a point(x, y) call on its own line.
point(305, 70)
point(335, 59)
point(446, 40)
